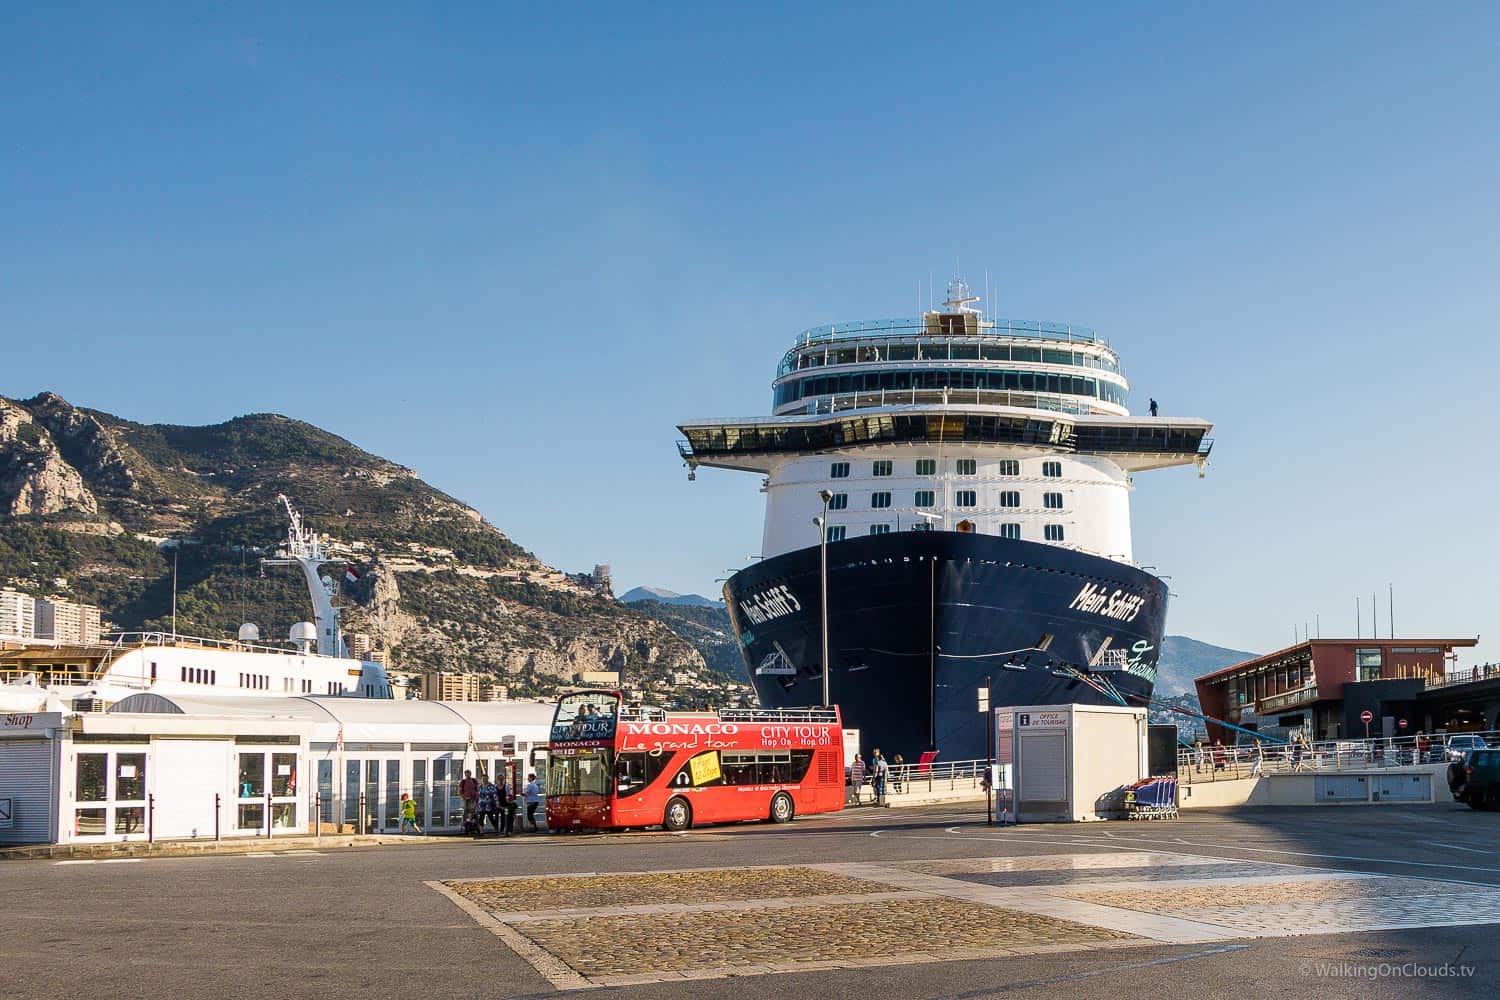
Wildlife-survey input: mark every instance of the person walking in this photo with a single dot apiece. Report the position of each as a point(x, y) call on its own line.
point(409, 813)
point(879, 769)
point(1260, 759)
point(533, 793)
point(1153, 407)
point(508, 807)
point(857, 777)
point(489, 805)
point(898, 773)
point(1422, 745)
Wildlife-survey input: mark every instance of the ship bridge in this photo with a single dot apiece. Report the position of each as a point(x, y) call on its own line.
point(1133, 443)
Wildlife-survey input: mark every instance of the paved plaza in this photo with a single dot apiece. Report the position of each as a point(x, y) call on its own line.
point(929, 903)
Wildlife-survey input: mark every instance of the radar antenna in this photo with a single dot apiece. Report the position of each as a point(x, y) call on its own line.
point(960, 299)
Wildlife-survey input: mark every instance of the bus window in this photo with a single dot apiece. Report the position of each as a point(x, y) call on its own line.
point(579, 774)
point(739, 768)
point(634, 772)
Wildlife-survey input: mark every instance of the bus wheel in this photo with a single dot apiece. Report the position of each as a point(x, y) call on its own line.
point(679, 816)
point(782, 809)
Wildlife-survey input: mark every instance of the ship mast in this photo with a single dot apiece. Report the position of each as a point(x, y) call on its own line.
point(304, 548)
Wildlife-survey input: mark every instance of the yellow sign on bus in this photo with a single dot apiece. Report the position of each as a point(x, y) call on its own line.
point(705, 768)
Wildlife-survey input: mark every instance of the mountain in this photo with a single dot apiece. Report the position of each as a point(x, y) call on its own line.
point(706, 626)
point(1183, 659)
point(97, 508)
point(660, 596)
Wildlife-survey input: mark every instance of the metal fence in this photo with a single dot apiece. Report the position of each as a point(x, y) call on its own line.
point(918, 779)
point(1221, 763)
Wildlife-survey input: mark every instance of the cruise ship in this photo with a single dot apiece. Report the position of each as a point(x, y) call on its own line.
point(967, 480)
point(50, 676)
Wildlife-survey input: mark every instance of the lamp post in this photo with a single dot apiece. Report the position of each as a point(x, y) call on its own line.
point(826, 496)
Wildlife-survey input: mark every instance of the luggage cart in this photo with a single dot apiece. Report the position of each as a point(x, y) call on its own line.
point(1152, 798)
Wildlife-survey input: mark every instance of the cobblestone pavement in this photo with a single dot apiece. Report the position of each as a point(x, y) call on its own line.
point(515, 895)
point(588, 930)
point(839, 933)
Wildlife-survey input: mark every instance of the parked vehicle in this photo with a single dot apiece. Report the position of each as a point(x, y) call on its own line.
point(1460, 746)
point(1475, 780)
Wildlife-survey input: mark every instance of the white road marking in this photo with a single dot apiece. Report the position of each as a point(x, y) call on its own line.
point(88, 862)
point(121, 861)
point(1454, 847)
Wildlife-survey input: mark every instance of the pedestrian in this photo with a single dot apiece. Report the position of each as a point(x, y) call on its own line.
point(1198, 754)
point(508, 807)
point(1153, 407)
point(1218, 755)
point(857, 777)
point(1422, 745)
point(898, 773)
point(1260, 759)
point(468, 791)
point(879, 770)
point(409, 813)
point(533, 794)
point(489, 805)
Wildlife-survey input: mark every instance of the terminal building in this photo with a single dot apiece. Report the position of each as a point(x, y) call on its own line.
point(205, 766)
point(1324, 686)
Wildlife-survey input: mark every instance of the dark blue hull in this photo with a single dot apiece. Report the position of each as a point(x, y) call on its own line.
point(918, 620)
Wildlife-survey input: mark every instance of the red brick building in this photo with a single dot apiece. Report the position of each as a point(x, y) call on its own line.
point(1323, 685)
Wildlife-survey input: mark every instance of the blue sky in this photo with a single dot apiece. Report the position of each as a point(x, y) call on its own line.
point(510, 248)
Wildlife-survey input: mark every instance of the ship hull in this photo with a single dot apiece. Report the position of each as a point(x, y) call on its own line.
point(919, 622)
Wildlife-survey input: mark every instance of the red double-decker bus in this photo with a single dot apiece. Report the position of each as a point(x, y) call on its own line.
point(613, 766)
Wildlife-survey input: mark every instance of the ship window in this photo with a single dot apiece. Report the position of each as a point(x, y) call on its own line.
point(1052, 501)
point(880, 529)
point(839, 470)
point(924, 498)
point(964, 352)
point(1010, 530)
point(882, 468)
point(1025, 354)
point(835, 532)
point(967, 466)
point(901, 352)
point(965, 498)
point(1054, 532)
point(1010, 498)
point(926, 466)
point(839, 501)
point(1010, 467)
point(1053, 469)
point(934, 352)
point(879, 501)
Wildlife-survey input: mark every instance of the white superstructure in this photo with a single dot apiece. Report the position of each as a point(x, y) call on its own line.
point(952, 421)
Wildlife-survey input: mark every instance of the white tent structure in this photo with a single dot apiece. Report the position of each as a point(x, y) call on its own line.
point(179, 766)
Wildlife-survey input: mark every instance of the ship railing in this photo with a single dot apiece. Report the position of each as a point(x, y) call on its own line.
point(841, 402)
point(916, 325)
point(1207, 763)
point(123, 641)
point(810, 714)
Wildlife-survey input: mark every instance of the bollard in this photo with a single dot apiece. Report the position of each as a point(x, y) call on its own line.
point(318, 814)
point(217, 809)
point(361, 827)
point(151, 819)
point(268, 815)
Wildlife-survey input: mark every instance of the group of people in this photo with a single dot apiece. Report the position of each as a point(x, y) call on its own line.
point(485, 802)
point(878, 773)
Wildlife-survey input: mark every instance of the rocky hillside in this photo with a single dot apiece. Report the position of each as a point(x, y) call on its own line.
point(95, 507)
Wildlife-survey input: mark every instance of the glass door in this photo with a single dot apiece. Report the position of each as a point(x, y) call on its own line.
point(392, 795)
point(250, 792)
point(372, 796)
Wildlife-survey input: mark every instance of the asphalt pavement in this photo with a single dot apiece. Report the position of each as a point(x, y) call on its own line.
point(367, 922)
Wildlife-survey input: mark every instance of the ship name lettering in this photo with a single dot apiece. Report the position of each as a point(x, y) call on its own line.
point(771, 603)
point(1117, 604)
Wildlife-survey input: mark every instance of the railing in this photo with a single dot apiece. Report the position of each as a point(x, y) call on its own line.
point(1286, 699)
point(914, 779)
point(779, 714)
point(1484, 672)
point(957, 397)
point(915, 324)
point(123, 641)
point(1221, 763)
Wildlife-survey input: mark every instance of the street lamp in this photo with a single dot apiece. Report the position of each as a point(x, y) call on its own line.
point(822, 522)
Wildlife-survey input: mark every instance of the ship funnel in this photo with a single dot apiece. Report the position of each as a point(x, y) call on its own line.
point(249, 632)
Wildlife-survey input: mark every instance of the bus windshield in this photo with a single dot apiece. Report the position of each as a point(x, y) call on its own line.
point(587, 715)
point(579, 772)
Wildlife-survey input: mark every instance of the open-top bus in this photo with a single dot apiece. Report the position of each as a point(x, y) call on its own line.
point(615, 766)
